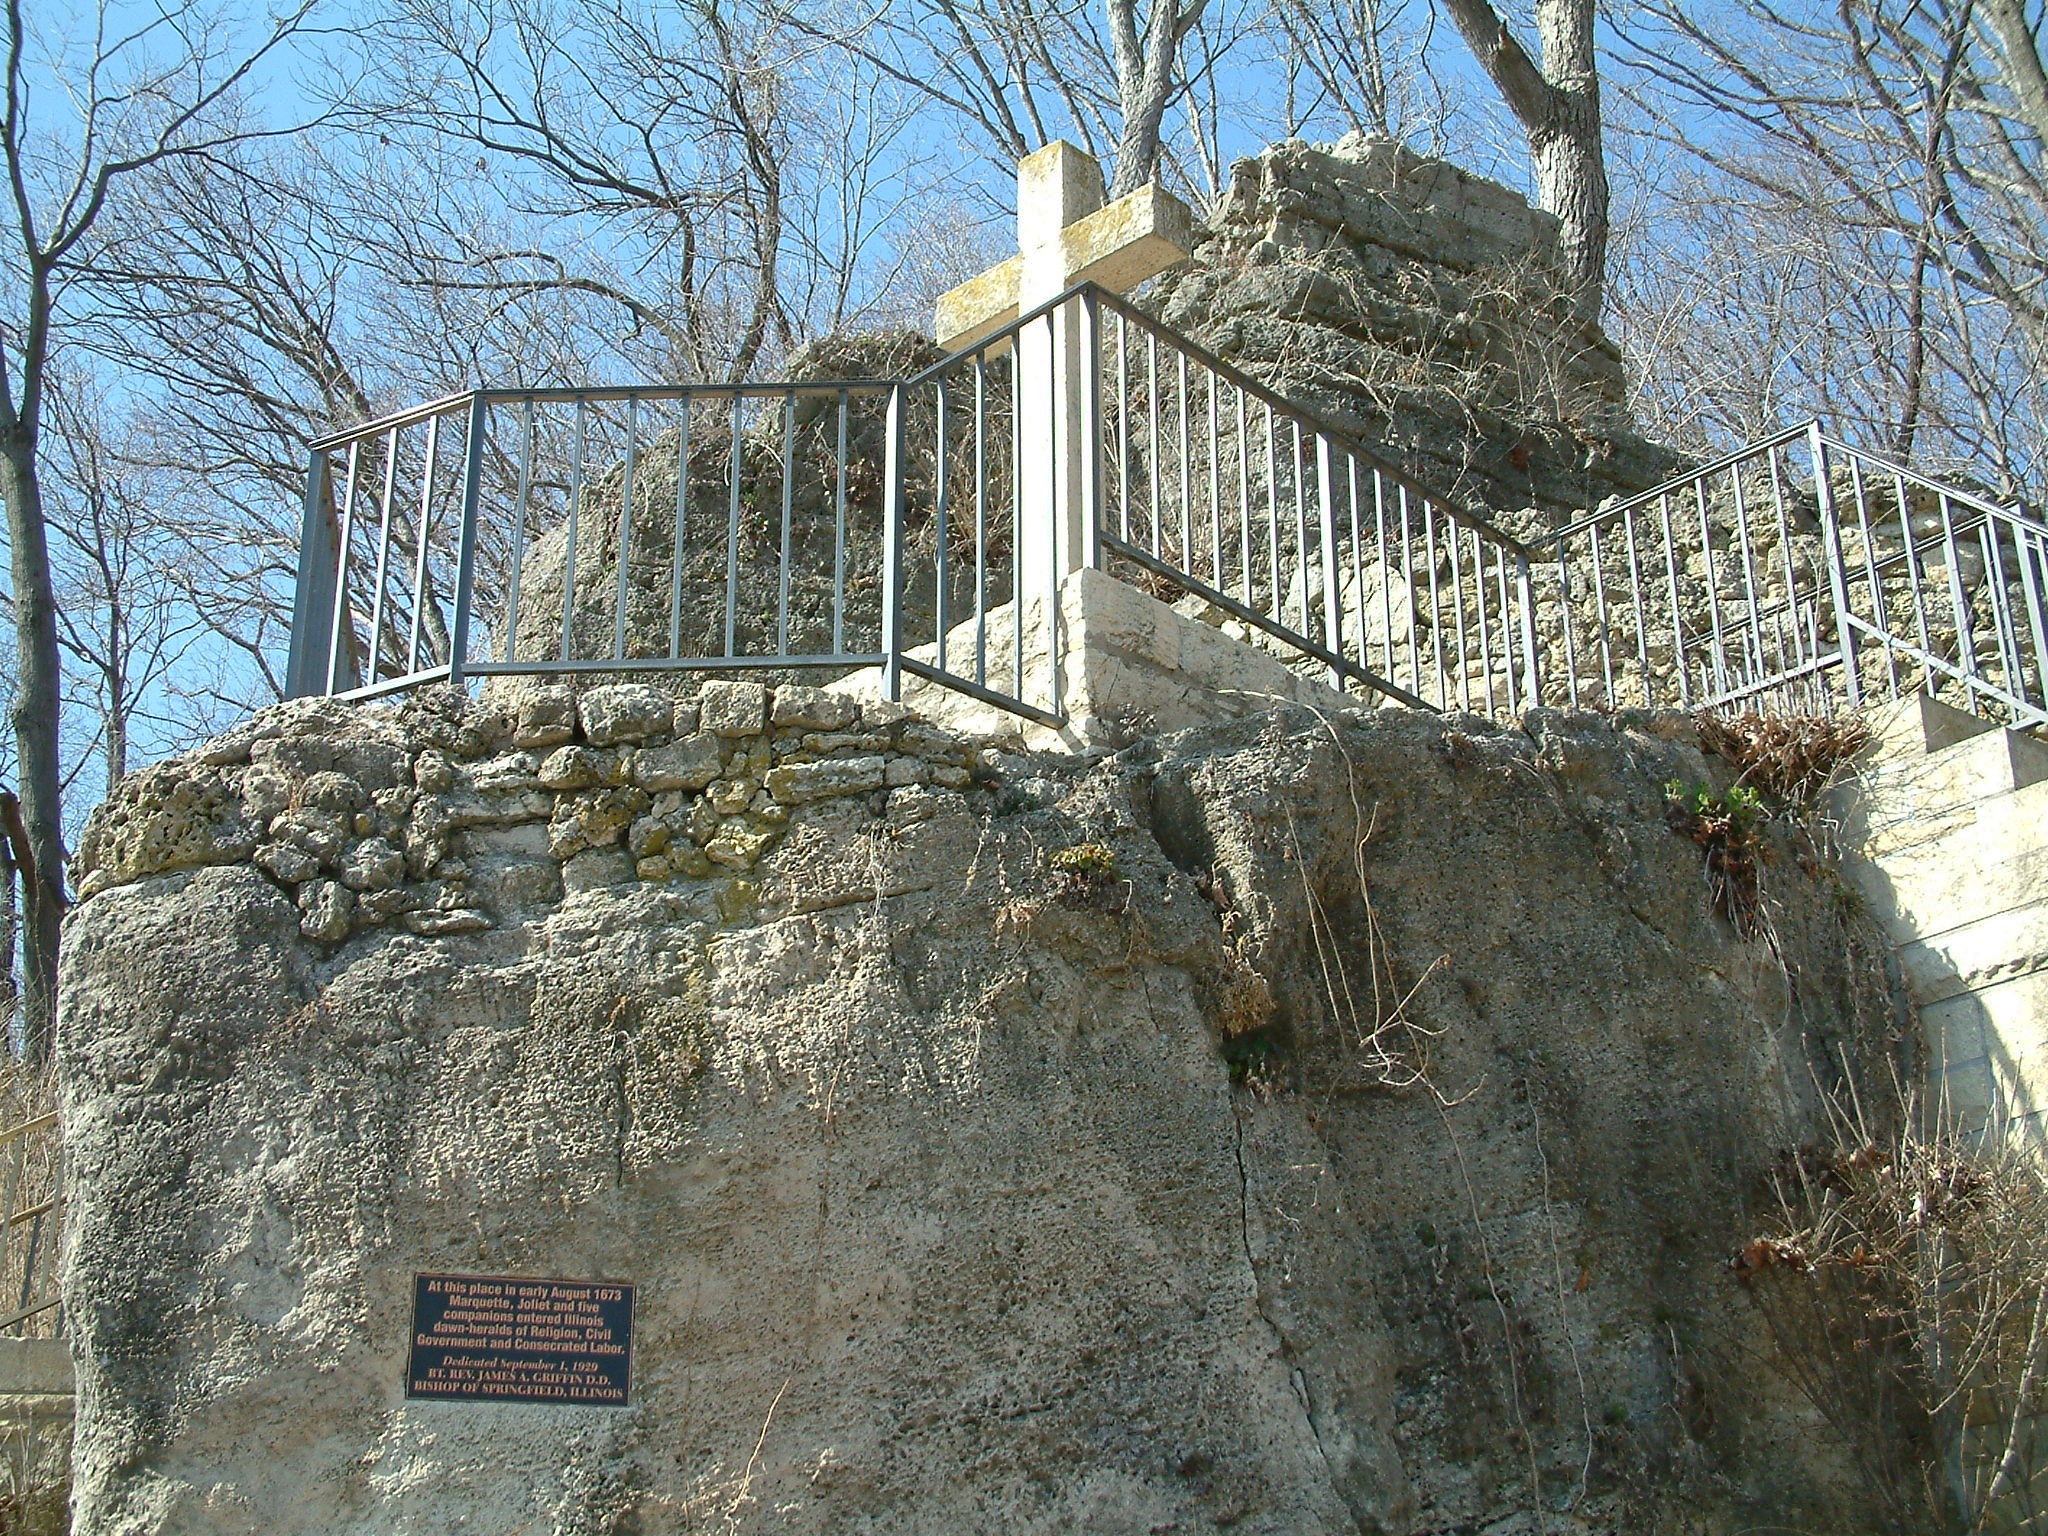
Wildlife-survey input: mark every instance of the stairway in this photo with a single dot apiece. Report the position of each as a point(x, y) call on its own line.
point(1947, 835)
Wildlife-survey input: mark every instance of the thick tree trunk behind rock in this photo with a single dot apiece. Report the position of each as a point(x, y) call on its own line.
point(35, 735)
point(1558, 106)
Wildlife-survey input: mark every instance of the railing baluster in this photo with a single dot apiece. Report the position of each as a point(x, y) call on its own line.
point(893, 469)
point(1754, 626)
point(465, 552)
point(1333, 605)
point(1017, 524)
point(1215, 494)
point(422, 533)
point(1635, 592)
point(1244, 504)
point(732, 527)
point(1386, 564)
point(1507, 641)
point(569, 537)
point(519, 517)
point(939, 528)
point(788, 509)
point(981, 512)
point(1784, 540)
point(339, 619)
point(1295, 465)
point(376, 662)
point(1928, 675)
point(1611, 699)
point(1273, 518)
point(2000, 596)
point(1414, 629)
point(1155, 460)
point(2030, 550)
point(1838, 576)
point(839, 472)
point(1678, 660)
point(1436, 612)
point(625, 533)
point(1357, 557)
point(678, 542)
point(1187, 531)
point(1720, 675)
point(1123, 424)
point(1479, 618)
point(1568, 621)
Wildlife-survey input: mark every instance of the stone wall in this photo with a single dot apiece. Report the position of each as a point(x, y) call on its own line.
point(997, 1141)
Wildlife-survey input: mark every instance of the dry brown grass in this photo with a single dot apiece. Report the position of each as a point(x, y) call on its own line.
point(1904, 1281)
point(1791, 758)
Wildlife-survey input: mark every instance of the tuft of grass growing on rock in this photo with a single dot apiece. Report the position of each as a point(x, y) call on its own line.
point(1791, 758)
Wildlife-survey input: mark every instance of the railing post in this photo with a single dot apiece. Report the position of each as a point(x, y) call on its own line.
point(313, 593)
point(1091, 431)
point(1525, 594)
point(465, 555)
point(892, 550)
point(1831, 546)
point(1333, 594)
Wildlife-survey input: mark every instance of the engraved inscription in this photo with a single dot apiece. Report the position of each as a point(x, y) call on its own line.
point(492, 1338)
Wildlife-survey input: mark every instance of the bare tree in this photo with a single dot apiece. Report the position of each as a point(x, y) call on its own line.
point(122, 613)
point(146, 94)
point(1021, 75)
point(1147, 51)
point(1909, 133)
point(1371, 67)
point(1557, 103)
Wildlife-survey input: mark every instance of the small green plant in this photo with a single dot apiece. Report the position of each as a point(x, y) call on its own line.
point(1254, 1062)
point(1086, 875)
point(1094, 863)
point(1729, 828)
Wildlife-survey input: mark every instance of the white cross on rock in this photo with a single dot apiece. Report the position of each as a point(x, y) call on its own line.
point(1065, 235)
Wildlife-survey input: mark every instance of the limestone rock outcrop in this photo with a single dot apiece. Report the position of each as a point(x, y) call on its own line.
point(1418, 307)
point(1303, 1124)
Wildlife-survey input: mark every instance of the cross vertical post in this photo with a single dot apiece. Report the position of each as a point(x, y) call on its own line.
point(1065, 236)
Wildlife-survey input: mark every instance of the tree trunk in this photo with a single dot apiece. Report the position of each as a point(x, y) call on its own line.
point(10, 912)
point(1558, 106)
point(35, 738)
point(1144, 82)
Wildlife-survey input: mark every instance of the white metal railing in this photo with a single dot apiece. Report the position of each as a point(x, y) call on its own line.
point(876, 522)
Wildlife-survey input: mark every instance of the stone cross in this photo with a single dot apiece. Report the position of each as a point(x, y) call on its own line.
point(1065, 235)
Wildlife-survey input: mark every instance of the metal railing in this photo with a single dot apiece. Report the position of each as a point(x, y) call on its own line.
point(829, 526)
point(1215, 485)
point(31, 1216)
point(1798, 572)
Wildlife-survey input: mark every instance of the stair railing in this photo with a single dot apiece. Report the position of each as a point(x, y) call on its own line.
point(826, 526)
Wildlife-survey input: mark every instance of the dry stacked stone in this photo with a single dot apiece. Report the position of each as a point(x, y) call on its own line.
point(446, 816)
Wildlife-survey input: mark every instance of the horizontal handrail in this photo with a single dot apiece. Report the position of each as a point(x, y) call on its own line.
point(1655, 493)
point(27, 1126)
point(2012, 512)
point(568, 394)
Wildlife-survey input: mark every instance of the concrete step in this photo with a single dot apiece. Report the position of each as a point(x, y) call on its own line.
point(1988, 1050)
point(35, 1366)
point(1964, 773)
point(1947, 872)
point(1917, 723)
point(1976, 955)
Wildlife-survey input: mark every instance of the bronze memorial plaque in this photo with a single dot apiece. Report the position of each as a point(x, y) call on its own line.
point(505, 1339)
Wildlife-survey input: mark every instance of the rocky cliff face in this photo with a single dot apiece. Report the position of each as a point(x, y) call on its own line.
point(1298, 1125)
point(1416, 306)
